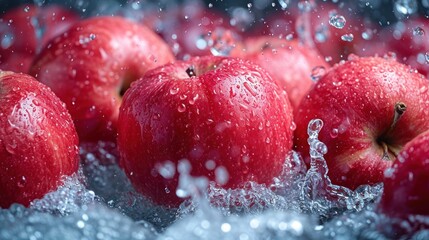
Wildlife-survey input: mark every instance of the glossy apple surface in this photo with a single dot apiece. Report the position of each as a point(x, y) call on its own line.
point(219, 113)
point(290, 63)
point(371, 108)
point(406, 185)
point(26, 29)
point(90, 66)
point(38, 142)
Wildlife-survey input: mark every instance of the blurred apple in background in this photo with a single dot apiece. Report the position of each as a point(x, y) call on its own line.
point(92, 64)
point(26, 29)
point(371, 108)
point(290, 63)
point(38, 142)
point(226, 116)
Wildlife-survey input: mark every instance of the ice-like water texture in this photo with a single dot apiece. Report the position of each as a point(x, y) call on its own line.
point(100, 203)
point(93, 221)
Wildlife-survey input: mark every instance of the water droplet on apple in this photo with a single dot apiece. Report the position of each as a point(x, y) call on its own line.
point(267, 140)
point(292, 126)
point(181, 108)
point(174, 90)
point(21, 182)
point(334, 133)
point(328, 58)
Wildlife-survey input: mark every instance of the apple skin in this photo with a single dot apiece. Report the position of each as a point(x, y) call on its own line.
point(356, 101)
point(91, 65)
point(38, 141)
point(407, 184)
point(290, 63)
point(22, 25)
point(232, 113)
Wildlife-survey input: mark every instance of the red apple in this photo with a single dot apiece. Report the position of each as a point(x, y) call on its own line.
point(289, 62)
point(90, 66)
point(371, 108)
point(38, 142)
point(219, 113)
point(25, 29)
point(406, 185)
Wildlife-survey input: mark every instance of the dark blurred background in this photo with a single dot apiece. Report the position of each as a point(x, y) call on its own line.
point(380, 11)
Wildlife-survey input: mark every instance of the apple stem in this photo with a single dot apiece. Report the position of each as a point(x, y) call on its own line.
point(191, 71)
point(400, 108)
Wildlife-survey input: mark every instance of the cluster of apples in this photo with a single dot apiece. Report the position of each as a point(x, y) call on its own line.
point(164, 97)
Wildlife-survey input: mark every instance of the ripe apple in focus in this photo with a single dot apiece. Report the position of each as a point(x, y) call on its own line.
point(91, 65)
point(406, 185)
point(371, 107)
point(26, 29)
point(38, 142)
point(218, 113)
point(290, 63)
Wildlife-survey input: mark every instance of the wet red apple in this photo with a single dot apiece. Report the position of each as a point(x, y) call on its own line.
point(38, 142)
point(90, 66)
point(221, 114)
point(26, 29)
point(371, 108)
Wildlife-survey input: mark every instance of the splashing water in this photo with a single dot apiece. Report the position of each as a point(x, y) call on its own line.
point(220, 42)
point(405, 7)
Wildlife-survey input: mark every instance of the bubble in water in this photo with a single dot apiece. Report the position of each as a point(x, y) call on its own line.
point(406, 7)
point(317, 72)
point(337, 20)
point(418, 31)
point(284, 3)
point(427, 57)
point(347, 37)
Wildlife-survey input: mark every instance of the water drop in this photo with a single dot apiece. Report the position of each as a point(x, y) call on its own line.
point(337, 21)
point(418, 31)
point(427, 57)
point(292, 126)
point(317, 72)
point(167, 169)
point(222, 175)
point(334, 133)
point(181, 108)
point(328, 58)
point(7, 40)
point(406, 7)
point(367, 34)
point(306, 5)
point(347, 37)
point(174, 90)
point(26, 8)
point(284, 3)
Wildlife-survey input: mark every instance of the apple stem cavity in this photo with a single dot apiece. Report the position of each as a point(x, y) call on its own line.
point(400, 109)
point(191, 71)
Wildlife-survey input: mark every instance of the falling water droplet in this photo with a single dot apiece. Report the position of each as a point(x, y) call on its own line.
point(317, 72)
point(418, 31)
point(347, 37)
point(284, 3)
point(337, 21)
point(406, 7)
